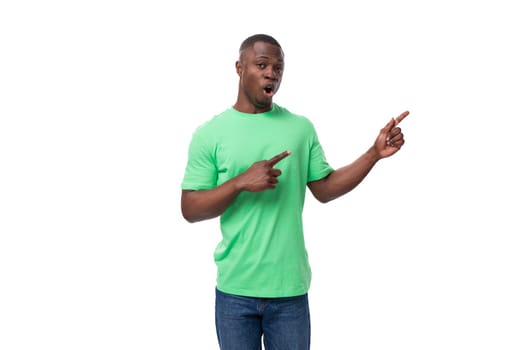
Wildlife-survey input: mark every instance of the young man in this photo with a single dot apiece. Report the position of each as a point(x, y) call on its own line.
point(251, 165)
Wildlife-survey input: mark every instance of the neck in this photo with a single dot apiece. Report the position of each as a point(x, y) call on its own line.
point(251, 109)
point(245, 106)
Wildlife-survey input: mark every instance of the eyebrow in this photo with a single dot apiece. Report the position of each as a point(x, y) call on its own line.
point(268, 57)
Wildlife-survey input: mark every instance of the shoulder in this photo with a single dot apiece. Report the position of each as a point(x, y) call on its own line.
point(299, 121)
point(210, 126)
point(297, 118)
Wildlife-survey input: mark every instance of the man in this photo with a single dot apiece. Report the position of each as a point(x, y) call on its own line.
point(251, 165)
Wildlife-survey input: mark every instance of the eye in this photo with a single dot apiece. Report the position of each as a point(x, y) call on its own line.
point(261, 65)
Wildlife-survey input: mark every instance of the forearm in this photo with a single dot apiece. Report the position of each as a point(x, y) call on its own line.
point(208, 204)
point(345, 179)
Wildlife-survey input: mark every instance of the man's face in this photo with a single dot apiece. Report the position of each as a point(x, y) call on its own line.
point(260, 69)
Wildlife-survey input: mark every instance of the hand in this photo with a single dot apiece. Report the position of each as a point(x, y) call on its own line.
point(261, 175)
point(390, 138)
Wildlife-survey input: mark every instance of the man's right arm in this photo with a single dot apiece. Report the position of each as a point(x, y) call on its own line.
point(198, 205)
point(207, 204)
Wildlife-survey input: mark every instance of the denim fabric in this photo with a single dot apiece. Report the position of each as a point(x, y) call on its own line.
point(282, 323)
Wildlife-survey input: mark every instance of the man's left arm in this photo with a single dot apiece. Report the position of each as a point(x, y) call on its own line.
point(343, 180)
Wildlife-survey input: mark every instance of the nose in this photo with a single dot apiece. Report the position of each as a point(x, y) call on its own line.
point(270, 73)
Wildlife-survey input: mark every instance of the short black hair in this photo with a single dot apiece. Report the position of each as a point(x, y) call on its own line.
point(248, 42)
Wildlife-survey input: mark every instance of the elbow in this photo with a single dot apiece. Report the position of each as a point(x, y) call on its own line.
point(322, 196)
point(187, 209)
point(321, 193)
point(321, 190)
point(187, 213)
point(324, 199)
point(189, 219)
point(188, 216)
point(192, 216)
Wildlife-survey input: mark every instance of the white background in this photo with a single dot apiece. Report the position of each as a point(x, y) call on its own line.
point(98, 100)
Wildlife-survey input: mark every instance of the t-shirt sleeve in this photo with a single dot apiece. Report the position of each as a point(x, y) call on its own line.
point(318, 166)
point(201, 172)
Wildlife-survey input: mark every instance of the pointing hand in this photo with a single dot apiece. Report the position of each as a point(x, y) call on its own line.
point(390, 138)
point(262, 175)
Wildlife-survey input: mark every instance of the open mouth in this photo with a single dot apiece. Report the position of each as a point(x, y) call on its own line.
point(268, 89)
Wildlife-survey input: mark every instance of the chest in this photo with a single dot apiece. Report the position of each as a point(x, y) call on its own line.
point(241, 146)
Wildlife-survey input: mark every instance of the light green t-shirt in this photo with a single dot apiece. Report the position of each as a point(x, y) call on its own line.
point(262, 252)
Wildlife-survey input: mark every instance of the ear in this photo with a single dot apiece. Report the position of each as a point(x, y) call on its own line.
point(238, 68)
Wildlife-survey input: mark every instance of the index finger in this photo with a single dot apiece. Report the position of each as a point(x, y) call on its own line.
point(401, 117)
point(279, 157)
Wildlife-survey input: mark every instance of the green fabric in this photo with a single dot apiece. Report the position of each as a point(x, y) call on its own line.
point(262, 253)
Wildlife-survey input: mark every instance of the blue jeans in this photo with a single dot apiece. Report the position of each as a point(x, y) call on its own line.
point(241, 322)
